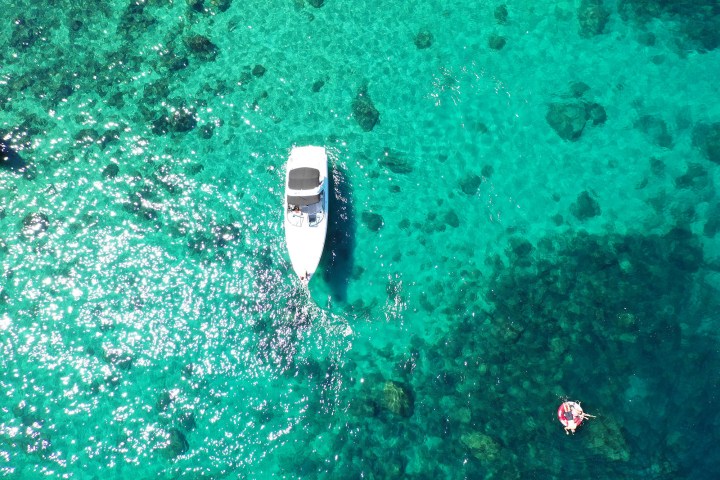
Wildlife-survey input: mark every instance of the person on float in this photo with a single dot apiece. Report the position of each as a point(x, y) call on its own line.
point(572, 415)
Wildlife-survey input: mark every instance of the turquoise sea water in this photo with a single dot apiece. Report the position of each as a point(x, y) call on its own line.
point(533, 217)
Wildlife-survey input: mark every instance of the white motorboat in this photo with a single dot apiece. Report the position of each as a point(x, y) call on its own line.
point(306, 208)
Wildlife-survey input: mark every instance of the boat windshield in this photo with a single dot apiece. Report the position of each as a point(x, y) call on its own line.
point(303, 178)
point(303, 200)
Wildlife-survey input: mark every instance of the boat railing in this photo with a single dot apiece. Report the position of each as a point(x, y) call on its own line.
point(295, 218)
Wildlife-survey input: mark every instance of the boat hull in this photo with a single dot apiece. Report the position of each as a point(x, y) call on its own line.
point(306, 227)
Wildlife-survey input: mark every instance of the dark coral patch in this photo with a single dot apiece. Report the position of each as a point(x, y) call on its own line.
point(706, 138)
point(496, 42)
point(423, 39)
point(201, 47)
point(373, 221)
point(585, 207)
point(592, 16)
point(364, 111)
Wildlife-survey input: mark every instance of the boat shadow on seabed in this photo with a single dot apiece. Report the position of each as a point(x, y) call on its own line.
point(337, 262)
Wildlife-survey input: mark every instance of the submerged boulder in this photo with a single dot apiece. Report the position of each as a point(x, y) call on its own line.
point(451, 219)
point(595, 113)
point(656, 129)
point(258, 70)
point(364, 111)
point(395, 163)
point(496, 42)
point(179, 120)
point(607, 440)
point(111, 170)
point(221, 5)
point(423, 39)
point(567, 119)
point(9, 158)
point(317, 86)
point(706, 138)
point(592, 16)
point(470, 184)
point(176, 444)
point(201, 47)
point(398, 399)
point(374, 221)
point(121, 359)
point(481, 446)
point(696, 177)
point(501, 14)
point(35, 223)
point(585, 207)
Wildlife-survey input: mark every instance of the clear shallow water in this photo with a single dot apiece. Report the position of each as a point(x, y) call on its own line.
point(150, 322)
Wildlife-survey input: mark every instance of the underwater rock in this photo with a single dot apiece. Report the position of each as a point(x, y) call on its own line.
point(657, 166)
point(177, 444)
point(596, 113)
point(606, 439)
point(578, 89)
point(196, 5)
point(656, 129)
point(120, 359)
point(109, 137)
point(639, 10)
point(585, 207)
point(111, 170)
point(394, 163)
point(697, 23)
point(501, 14)
point(712, 226)
point(163, 402)
point(696, 176)
point(470, 184)
point(684, 252)
point(364, 111)
point(221, 5)
point(187, 421)
point(157, 92)
point(520, 247)
point(317, 86)
point(373, 221)
point(481, 446)
point(423, 39)
point(316, 3)
point(86, 136)
point(194, 168)
point(9, 158)
point(451, 219)
point(135, 21)
point(201, 47)
point(183, 120)
point(223, 235)
point(593, 17)
point(398, 399)
point(207, 130)
point(175, 63)
point(25, 33)
point(35, 223)
point(706, 138)
point(161, 125)
point(496, 42)
point(258, 71)
point(180, 120)
point(567, 119)
point(363, 407)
